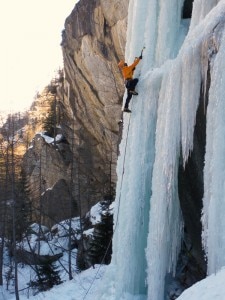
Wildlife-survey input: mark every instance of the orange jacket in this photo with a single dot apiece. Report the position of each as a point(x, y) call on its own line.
point(128, 71)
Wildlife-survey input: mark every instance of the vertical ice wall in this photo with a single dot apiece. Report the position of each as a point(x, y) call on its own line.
point(146, 27)
point(200, 9)
point(165, 220)
point(148, 221)
point(155, 24)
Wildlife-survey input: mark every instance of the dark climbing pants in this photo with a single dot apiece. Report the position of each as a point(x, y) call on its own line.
point(130, 85)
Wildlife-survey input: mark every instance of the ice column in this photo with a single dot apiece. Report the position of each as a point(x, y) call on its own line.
point(165, 227)
point(214, 173)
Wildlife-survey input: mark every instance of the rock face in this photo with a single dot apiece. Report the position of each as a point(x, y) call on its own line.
point(93, 42)
point(47, 168)
point(191, 189)
point(187, 9)
point(69, 177)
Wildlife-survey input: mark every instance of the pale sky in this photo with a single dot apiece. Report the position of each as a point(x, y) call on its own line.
point(30, 51)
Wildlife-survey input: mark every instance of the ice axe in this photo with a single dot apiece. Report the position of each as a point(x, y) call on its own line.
point(142, 50)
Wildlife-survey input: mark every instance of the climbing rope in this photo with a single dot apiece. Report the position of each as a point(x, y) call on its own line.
point(119, 200)
point(124, 159)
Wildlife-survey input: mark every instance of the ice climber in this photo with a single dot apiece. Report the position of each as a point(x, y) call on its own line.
point(130, 82)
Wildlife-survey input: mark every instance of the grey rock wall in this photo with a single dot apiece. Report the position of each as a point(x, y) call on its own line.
point(92, 44)
point(89, 97)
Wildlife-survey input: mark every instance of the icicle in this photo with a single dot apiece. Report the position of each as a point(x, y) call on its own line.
point(194, 72)
point(205, 67)
point(191, 85)
point(208, 50)
point(165, 227)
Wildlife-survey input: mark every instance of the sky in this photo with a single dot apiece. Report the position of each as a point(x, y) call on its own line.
point(30, 51)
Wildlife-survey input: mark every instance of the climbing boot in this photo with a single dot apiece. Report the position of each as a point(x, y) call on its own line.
point(133, 92)
point(127, 110)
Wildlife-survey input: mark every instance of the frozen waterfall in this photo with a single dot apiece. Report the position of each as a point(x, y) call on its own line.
point(148, 222)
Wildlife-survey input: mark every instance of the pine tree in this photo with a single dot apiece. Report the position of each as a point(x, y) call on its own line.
point(49, 124)
point(23, 207)
point(48, 276)
point(50, 121)
point(101, 246)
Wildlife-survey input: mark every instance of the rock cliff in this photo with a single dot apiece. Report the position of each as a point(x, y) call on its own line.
point(92, 43)
point(82, 166)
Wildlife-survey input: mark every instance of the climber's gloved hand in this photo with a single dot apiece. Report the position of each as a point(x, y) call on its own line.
point(140, 56)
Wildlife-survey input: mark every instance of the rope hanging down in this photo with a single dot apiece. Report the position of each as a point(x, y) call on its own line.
point(124, 159)
point(116, 223)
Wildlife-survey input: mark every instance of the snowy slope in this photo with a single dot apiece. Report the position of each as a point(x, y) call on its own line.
point(211, 288)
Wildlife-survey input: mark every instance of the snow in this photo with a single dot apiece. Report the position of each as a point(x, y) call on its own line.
point(50, 140)
point(85, 286)
point(36, 228)
point(95, 214)
point(89, 232)
point(96, 211)
point(211, 288)
point(43, 242)
point(76, 289)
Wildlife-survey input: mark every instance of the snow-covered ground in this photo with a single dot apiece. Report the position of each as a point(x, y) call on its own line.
point(85, 286)
point(211, 288)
